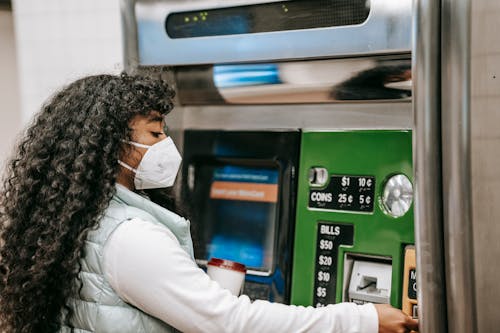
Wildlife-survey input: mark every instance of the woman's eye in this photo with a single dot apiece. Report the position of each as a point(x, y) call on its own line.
point(156, 134)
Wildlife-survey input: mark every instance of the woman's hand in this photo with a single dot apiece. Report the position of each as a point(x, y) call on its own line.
point(391, 320)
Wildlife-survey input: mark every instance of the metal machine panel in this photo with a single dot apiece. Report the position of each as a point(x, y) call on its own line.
point(381, 78)
point(386, 30)
point(427, 163)
point(320, 117)
point(484, 157)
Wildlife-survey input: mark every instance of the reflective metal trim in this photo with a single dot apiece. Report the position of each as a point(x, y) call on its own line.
point(382, 78)
point(456, 145)
point(129, 35)
point(387, 30)
point(427, 167)
point(319, 117)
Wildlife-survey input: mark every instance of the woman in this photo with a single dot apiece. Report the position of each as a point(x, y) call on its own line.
point(84, 249)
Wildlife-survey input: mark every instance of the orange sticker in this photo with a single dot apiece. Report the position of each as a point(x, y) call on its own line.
point(244, 191)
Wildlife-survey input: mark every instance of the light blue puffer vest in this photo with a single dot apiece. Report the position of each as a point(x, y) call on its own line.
point(98, 308)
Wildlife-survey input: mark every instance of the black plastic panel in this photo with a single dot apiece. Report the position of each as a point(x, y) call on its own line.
point(276, 16)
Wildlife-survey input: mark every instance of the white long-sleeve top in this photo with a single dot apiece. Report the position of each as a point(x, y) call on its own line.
point(147, 268)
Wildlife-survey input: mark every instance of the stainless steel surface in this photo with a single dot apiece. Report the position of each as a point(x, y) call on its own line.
point(457, 200)
point(129, 35)
point(387, 30)
point(485, 159)
point(314, 81)
point(427, 167)
point(319, 117)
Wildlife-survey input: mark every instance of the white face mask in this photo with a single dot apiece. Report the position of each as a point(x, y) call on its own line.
point(158, 167)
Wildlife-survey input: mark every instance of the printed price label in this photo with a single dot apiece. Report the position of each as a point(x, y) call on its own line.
point(349, 193)
point(329, 237)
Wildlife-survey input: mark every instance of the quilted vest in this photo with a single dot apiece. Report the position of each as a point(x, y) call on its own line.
point(97, 308)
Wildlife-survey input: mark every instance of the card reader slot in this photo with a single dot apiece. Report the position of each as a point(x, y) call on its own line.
point(367, 279)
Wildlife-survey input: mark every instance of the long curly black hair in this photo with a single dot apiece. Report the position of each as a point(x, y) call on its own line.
point(58, 186)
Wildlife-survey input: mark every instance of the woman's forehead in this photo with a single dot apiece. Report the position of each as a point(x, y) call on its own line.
point(153, 118)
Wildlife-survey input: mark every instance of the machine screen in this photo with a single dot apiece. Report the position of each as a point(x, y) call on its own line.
point(239, 214)
point(267, 17)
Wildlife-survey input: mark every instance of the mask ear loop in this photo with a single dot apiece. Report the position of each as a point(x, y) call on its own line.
point(137, 144)
point(126, 166)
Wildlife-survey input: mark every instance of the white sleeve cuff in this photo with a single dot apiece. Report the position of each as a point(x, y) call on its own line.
point(368, 318)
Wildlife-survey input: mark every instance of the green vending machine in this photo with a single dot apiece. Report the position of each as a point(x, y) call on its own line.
point(354, 217)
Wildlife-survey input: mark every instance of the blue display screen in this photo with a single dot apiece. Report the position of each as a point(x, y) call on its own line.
point(240, 214)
